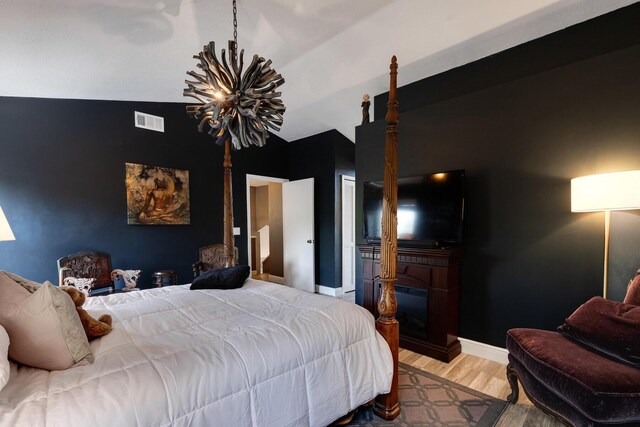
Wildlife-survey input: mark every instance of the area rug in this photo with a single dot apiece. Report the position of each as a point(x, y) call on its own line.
point(428, 400)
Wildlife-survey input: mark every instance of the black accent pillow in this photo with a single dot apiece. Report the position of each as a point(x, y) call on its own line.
point(222, 278)
point(607, 327)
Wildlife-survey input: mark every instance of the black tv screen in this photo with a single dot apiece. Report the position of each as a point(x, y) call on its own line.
point(430, 209)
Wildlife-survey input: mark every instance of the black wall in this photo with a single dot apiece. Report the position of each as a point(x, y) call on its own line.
point(529, 261)
point(62, 184)
point(325, 157)
point(604, 34)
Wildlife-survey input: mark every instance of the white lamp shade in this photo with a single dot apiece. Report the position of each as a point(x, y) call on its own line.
point(5, 230)
point(607, 191)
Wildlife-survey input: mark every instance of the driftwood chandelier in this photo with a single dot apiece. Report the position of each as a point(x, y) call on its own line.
point(236, 106)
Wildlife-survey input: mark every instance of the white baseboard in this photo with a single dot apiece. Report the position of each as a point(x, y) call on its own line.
point(332, 292)
point(276, 279)
point(486, 351)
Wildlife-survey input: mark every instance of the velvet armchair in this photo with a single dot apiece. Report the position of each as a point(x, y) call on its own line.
point(588, 372)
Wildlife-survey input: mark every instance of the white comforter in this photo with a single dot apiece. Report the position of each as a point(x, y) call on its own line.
point(263, 355)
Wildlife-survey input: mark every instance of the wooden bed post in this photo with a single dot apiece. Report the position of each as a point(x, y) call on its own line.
point(228, 207)
point(387, 406)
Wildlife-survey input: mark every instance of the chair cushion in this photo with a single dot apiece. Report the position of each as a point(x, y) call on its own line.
point(608, 327)
point(222, 278)
point(601, 389)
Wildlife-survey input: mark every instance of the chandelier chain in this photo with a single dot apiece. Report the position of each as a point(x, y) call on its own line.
point(235, 24)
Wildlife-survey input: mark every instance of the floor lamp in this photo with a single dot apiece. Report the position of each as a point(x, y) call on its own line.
point(5, 230)
point(606, 192)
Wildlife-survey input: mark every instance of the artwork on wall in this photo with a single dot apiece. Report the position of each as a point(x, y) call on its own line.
point(157, 195)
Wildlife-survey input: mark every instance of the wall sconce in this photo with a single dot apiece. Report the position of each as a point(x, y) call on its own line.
point(5, 230)
point(606, 192)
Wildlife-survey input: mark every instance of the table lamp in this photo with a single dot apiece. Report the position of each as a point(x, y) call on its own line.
point(606, 192)
point(5, 230)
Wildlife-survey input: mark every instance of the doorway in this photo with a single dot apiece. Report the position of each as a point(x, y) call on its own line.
point(264, 223)
point(280, 221)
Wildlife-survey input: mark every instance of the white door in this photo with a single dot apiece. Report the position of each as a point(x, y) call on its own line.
point(348, 233)
point(297, 233)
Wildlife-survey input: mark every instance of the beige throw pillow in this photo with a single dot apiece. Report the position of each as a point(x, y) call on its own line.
point(5, 368)
point(29, 285)
point(44, 326)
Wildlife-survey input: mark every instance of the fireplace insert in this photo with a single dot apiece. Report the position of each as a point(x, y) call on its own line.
point(412, 311)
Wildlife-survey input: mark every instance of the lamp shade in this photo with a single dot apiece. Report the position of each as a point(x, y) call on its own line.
point(5, 230)
point(608, 191)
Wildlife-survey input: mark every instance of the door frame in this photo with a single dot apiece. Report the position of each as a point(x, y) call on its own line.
point(343, 179)
point(249, 178)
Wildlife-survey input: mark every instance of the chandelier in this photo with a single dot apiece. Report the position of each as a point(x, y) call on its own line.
point(235, 106)
point(238, 109)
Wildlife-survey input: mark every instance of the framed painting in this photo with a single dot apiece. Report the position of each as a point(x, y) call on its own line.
point(157, 195)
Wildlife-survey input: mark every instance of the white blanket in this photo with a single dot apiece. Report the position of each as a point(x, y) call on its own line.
point(262, 355)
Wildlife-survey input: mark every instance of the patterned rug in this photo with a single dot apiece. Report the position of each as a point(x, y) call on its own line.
point(428, 400)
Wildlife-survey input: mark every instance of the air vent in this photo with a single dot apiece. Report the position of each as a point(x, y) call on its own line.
point(147, 121)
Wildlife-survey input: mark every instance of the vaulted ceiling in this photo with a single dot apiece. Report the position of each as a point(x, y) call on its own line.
point(329, 51)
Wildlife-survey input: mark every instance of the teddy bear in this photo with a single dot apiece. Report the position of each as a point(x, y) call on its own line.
point(94, 328)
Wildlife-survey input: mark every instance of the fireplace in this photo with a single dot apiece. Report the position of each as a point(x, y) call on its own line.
point(412, 311)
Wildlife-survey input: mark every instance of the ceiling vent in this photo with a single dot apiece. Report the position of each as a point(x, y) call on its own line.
point(147, 121)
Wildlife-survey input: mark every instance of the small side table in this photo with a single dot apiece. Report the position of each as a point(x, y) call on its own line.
point(164, 278)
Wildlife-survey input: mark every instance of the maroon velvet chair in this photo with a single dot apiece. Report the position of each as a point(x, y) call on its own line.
point(587, 373)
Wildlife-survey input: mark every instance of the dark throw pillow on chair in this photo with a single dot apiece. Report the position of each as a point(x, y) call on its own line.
point(608, 327)
point(222, 278)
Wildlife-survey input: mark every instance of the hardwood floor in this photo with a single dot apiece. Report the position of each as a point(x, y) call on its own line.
point(487, 377)
point(480, 374)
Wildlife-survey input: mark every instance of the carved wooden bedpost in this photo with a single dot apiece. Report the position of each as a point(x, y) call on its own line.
point(228, 207)
point(387, 406)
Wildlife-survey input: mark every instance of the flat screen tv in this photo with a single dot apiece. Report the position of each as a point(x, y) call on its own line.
point(430, 210)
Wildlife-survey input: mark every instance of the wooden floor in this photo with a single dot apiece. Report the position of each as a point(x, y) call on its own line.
point(480, 374)
point(487, 377)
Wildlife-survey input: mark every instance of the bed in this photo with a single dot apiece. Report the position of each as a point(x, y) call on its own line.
point(264, 355)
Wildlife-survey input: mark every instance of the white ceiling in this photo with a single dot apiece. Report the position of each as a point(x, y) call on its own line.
point(329, 51)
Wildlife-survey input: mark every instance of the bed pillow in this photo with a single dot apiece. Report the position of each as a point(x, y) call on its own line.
point(633, 291)
point(608, 327)
point(29, 285)
point(5, 368)
point(222, 278)
point(44, 327)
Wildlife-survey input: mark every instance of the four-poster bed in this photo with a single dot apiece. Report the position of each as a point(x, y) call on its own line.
point(264, 354)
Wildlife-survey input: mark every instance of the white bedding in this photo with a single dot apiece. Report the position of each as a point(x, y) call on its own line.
point(263, 355)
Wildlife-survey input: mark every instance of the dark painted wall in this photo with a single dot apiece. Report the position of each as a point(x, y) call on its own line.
point(598, 36)
point(62, 184)
point(529, 261)
point(325, 157)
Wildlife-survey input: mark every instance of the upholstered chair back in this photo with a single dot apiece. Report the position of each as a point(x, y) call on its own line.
point(87, 265)
point(210, 258)
point(633, 290)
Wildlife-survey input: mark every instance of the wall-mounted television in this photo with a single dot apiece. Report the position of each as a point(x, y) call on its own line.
point(430, 210)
